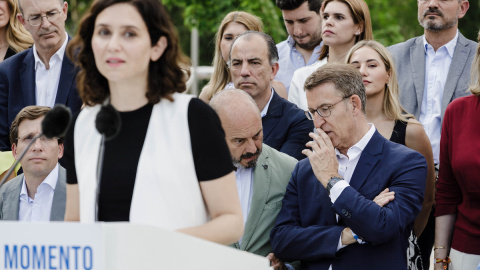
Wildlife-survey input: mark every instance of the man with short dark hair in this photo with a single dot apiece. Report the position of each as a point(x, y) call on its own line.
point(253, 65)
point(262, 173)
point(39, 193)
point(433, 70)
point(351, 204)
point(304, 26)
point(42, 75)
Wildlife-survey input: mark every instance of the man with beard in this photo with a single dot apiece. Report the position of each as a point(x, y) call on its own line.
point(253, 65)
point(41, 75)
point(433, 70)
point(262, 172)
point(304, 26)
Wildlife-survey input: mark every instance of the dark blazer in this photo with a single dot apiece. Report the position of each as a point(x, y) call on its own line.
point(286, 128)
point(409, 59)
point(307, 230)
point(10, 198)
point(17, 89)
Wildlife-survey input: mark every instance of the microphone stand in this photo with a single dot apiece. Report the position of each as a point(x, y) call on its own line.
point(101, 153)
point(9, 172)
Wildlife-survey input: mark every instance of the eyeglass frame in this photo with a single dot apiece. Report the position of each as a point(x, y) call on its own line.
point(311, 116)
point(42, 138)
point(57, 13)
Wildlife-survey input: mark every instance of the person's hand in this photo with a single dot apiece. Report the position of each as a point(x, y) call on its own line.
point(384, 197)
point(276, 263)
point(322, 157)
point(347, 237)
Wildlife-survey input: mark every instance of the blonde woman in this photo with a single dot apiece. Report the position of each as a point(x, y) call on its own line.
point(457, 213)
point(385, 111)
point(14, 38)
point(345, 22)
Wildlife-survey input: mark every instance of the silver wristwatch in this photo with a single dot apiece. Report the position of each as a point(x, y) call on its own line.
point(331, 182)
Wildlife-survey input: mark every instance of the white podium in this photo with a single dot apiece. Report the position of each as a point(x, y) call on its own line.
point(113, 246)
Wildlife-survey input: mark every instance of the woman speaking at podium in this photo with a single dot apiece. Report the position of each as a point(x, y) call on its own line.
point(169, 165)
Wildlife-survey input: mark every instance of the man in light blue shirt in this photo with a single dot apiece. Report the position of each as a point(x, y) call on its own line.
point(39, 193)
point(433, 70)
point(302, 47)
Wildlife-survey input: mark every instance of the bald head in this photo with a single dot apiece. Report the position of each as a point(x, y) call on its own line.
point(234, 103)
point(242, 124)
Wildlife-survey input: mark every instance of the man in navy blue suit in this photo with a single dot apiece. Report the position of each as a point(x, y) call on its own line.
point(352, 202)
point(41, 75)
point(253, 65)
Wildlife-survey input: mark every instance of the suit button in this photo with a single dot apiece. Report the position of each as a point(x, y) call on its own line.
point(344, 212)
point(349, 215)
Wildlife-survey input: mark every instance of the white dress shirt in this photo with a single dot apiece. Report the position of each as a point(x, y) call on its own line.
point(46, 80)
point(265, 109)
point(244, 179)
point(346, 167)
point(38, 209)
point(437, 65)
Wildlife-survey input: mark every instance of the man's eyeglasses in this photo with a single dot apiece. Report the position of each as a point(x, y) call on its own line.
point(323, 111)
point(28, 138)
point(36, 20)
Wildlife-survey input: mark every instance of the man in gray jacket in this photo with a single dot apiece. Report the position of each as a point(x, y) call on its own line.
point(39, 193)
point(433, 70)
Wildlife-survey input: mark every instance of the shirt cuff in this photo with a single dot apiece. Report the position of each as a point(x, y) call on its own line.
point(337, 190)
point(289, 267)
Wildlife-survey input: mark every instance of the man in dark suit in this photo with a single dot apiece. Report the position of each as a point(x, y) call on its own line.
point(39, 194)
point(433, 70)
point(41, 75)
point(253, 65)
point(337, 213)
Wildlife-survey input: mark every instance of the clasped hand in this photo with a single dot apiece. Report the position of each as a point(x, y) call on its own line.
point(322, 156)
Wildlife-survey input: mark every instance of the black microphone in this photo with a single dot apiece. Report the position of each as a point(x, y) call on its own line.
point(54, 125)
point(108, 123)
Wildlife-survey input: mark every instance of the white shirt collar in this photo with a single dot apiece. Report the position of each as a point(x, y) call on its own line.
point(450, 46)
point(357, 148)
point(59, 54)
point(265, 109)
point(50, 180)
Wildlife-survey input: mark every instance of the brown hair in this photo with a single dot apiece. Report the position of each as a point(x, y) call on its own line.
point(28, 113)
point(346, 78)
point(166, 76)
point(221, 75)
point(360, 15)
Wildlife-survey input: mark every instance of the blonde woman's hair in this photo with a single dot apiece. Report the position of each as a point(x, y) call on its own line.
point(221, 75)
point(475, 72)
point(18, 38)
point(360, 15)
point(391, 102)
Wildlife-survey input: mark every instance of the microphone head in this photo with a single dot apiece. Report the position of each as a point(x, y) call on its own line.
point(108, 122)
point(56, 122)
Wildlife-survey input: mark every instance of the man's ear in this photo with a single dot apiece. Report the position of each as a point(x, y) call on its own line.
point(159, 48)
point(60, 150)
point(14, 151)
point(21, 19)
point(356, 104)
point(275, 69)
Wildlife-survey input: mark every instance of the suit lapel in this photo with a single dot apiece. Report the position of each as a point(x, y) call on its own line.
point(261, 185)
point(59, 196)
point(27, 79)
point(11, 199)
point(460, 57)
point(274, 114)
point(368, 159)
point(67, 79)
point(417, 62)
